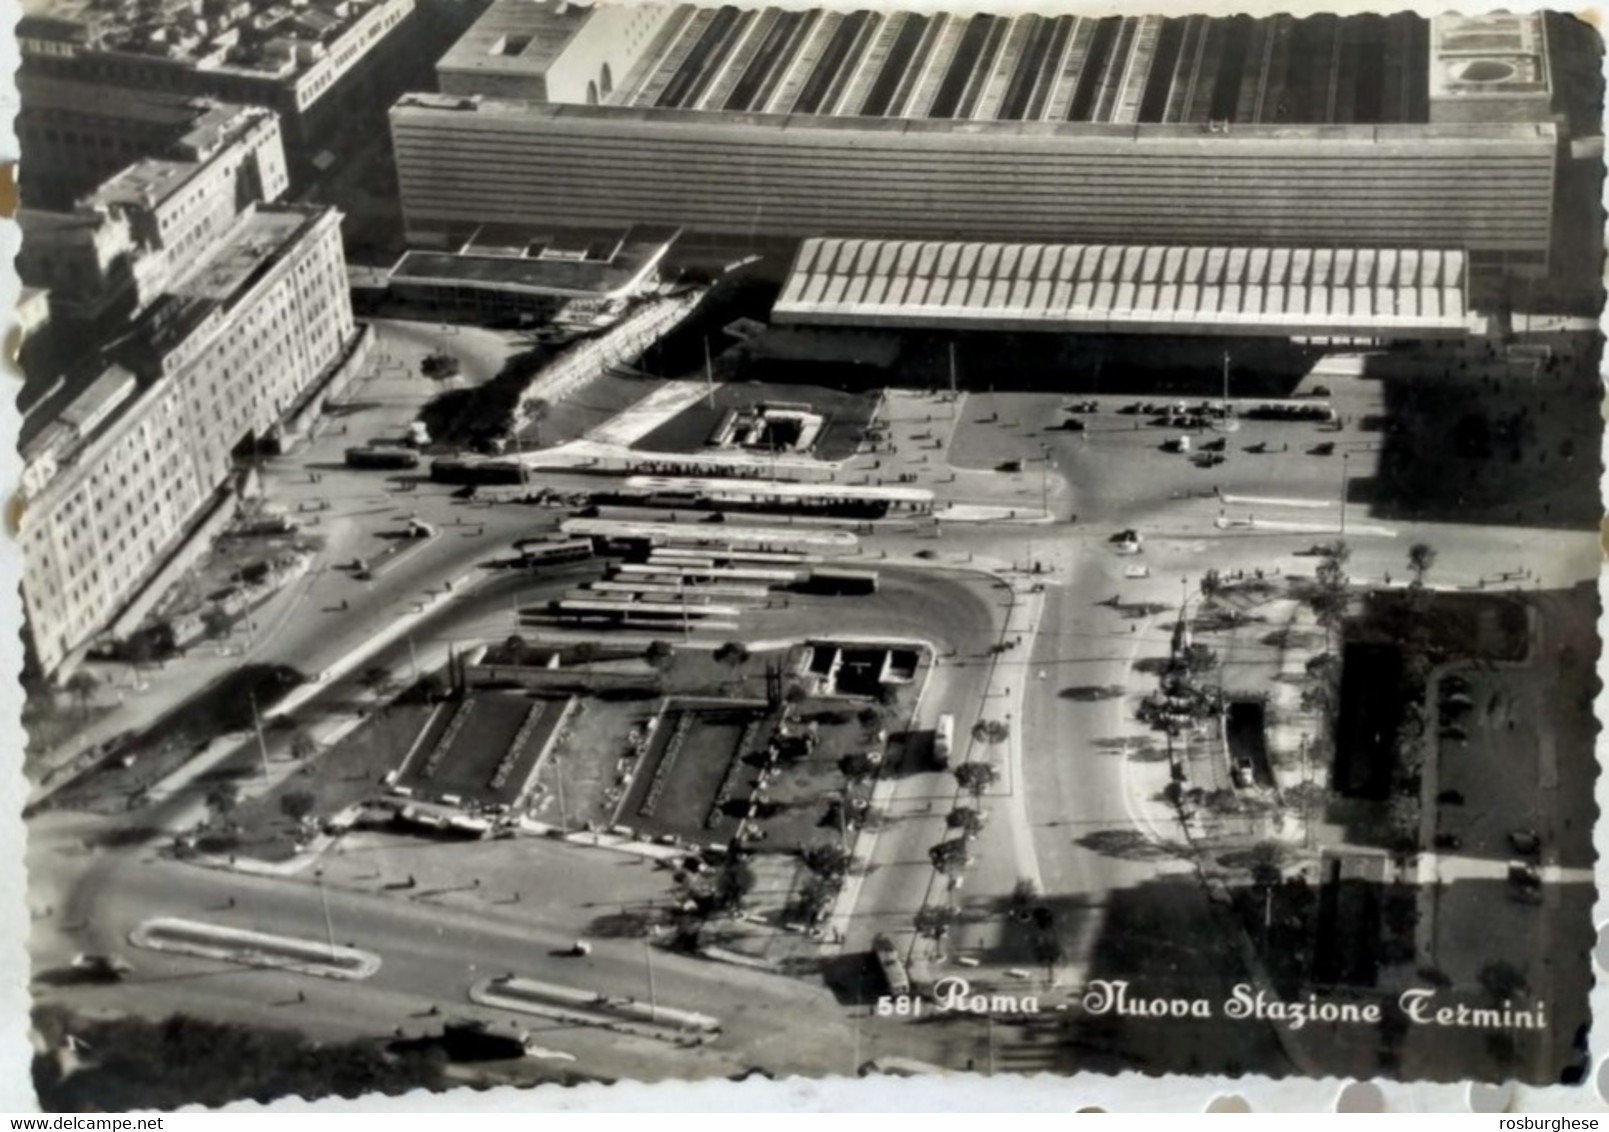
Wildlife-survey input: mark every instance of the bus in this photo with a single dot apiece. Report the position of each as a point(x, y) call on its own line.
point(373, 456)
point(891, 966)
point(943, 737)
point(544, 552)
point(832, 581)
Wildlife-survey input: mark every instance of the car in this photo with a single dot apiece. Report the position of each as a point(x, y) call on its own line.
point(926, 553)
point(95, 968)
point(580, 948)
point(1325, 449)
point(1009, 466)
point(1131, 408)
point(1073, 424)
point(1321, 391)
point(1125, 536)
point(1525, 841)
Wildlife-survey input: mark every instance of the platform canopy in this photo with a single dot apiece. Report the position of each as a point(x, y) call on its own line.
point(1132, 289)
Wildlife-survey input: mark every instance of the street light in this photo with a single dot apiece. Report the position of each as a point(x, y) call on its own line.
point(324, 899)
point(1346, 458)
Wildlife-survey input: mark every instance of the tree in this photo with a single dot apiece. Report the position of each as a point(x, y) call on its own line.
point(297, 804)
point(216, 621)
point(1337, 551)
point(1267, 862)
point(1502, 980)
point(827, 859)
point(430, 687)
point(991, 731)
point(733, 883)
point(814, 897)
point(857, 766)
point(660, 655)
point(976, 777)
point(950, 857)
point(377, 679)
point(1047, 946)
point(222, 800)
point(1330, 575)
point(1212, 585)
point(1024, 892)
point(1403, 816)
point(870, 719)
point(967, 819)
point(733, 654)
point(934, 920)
point(82, 686)
point(1421, 557)
point(515, 648)
point(303, 745)
point(1199, 659)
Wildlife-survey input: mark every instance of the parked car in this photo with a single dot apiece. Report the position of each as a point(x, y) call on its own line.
point(93, 968)
point(1525, 841)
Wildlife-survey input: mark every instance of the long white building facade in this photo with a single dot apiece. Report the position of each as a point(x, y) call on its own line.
point(116, 470)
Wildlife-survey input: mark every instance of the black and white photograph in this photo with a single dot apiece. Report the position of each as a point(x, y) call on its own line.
point(637, 541)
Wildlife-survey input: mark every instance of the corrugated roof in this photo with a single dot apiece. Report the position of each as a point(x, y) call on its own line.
point(1122, 287)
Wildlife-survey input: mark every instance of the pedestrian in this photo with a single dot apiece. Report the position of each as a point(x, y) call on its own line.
point(301, 996)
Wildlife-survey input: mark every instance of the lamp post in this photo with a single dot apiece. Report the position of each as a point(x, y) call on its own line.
point(324, 899)
point(257, 726)
point(1346, 458)
point(648, 954)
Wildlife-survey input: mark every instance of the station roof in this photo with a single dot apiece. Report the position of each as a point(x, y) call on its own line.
point(497, 262)
point(1115, 288)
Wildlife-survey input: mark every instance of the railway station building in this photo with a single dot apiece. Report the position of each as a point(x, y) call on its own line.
point(759, 128)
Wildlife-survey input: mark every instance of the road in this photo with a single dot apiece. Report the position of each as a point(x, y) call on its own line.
point(1080, 805)
point(431, 956)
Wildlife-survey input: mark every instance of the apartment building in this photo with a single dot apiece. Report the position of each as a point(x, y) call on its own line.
point(120, 468)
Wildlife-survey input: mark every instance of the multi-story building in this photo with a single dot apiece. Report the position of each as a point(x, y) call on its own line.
point(118, 469)
point(121, 244)
point(287, 56)
point(765, 126)
point(76, 135)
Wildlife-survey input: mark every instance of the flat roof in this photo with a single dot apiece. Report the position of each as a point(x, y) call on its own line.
point(528, 266)
point(1113, 288)
point(520, 37)
point(780, 489)
point(1490, 55)
point(255, 240)
point(144, 184)
point(1410, 133)
point(179, 112)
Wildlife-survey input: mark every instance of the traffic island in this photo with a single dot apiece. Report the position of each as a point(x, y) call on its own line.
point(255, 949)
point(588, 1008)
